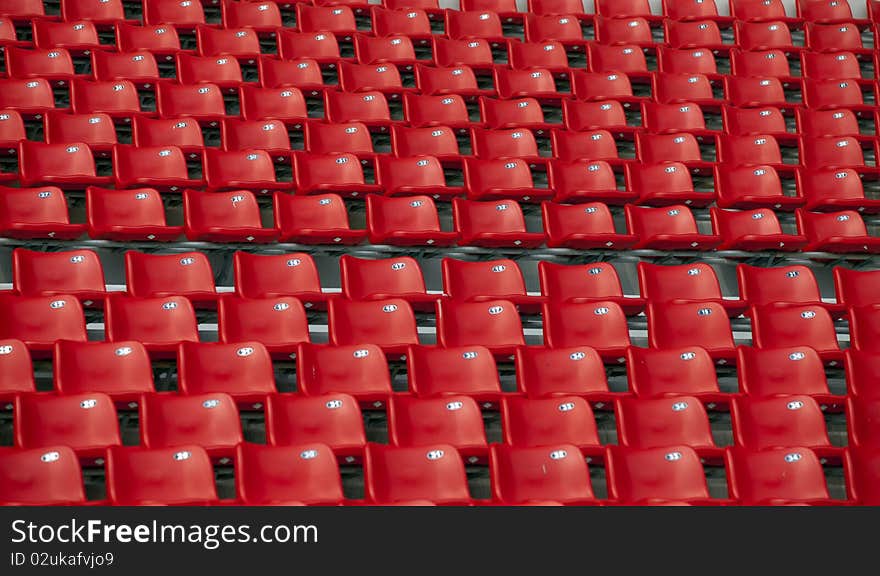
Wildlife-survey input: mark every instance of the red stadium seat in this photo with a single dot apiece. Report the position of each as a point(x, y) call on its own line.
point(79, 37)
point(774, 371)
point(116, 98)
point(455, 369)
point(406, 221)
point(598, 86)
point(279, 323)
point(630, 31)
point(243, 370)
point(794, 284)
point(786, 325)
point(669, 228)
point(827, 122)
point(380, 279)
point(261, 16)
point(653, 149)
point(557, 472)
point(304, 474)
point(433, 472)
point(412, 22)
point(320, 46)
point(209, 420)
point(856, 287)
point(826, 93)
point(241, 43)
point(162, 167)
point(550, 421)
point(862, 475)
point(585, 179)
point(475, 53)
point(138, 67)
point(319, 173)
point(843, 231)
point(495, 324)
point(864, 322)
point(40, 477)
point(413, 175)
point(73, 272)
point(690, 34)
point(455, 420)
point(316, 219)
point(202, 102)
point(181, 15)
point(349, 137)
point(160, 324)
point(186, 274)
point(683, 116)
point(779, 421)
point(370, 50)
point(338, 20)
point(52, 65)
point(221, 71)
point(564, 28)
point(582, 226)
point(839, 65)
point(492, 224)
point(273, 275)
point(464, 25)
point(511, 143)
point(121, 370)
point(833, 152)
point(697, 282)
point(585, 283)
point(331, 419)
point(620, 58)
point(182, 475)
point(269, 135)
point(383, 78)
point(833, 37)
point(752, 186)
point(663, 421)
point(677, 324)
point(66, 165)
point(776, 476)
point(589, 146)
point(40, 321)
point(23, 10)
point(764, 35)
point(158, 39)
point(87, 422)
point(763, 64)
point(824, 10)
point(761, 120)
point(652, 476)
point(668, 371)
point(179, 132)
point(16, 371)
point(501, 178)
point(535, 82)
point(665, 184)
point(302, 73)
point(578, 371)
point(601, 325)
point(499, 279)
point(389, 323)
point(550, 55)
point(224, 217)
point(447, 81)
point(427, 140)
point(519, 113)
point(248, 169)
point(28, 213)
point(753, 231)
point(12, 130)
point(126, 215)
point(753, 91)
point(862, 414)
point(672, 88)
point(360, 370)
point(95, 130)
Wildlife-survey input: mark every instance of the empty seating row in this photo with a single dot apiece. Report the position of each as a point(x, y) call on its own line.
point(434, 474)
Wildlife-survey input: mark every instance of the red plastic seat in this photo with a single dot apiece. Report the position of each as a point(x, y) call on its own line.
point(826, 93)
point(161, 167)
point(501, 178)
point(578, 371)
point(349, 137)
point(302, 73)
point(453, 420)
point(864, 322)
point(242, 369)
point(127, 215)
point(186, 274)
point(383, 78)
point(779, 421)
point(160, 324)
point(427, 5)
point(370, 108)
point(182, 475)
point(247, 169)
point(696, 282)
point(380, 279)
point(269, 135)
point(669, 228)
point(274, 275)
point(673, 88)
point(511, 143)
point(138, 67)
point(861, 413)
point(28, 213)
point(585, 283)
point(475, 53)
point(181, 15)
point(224, 217)
point(320, 46)
point(550, 55)
point(209, 420)
point(839, 65)
point(16, 371)
point(687, 61)
point(589, 145)
point(77, 36)
point(12, 130)
point(40, 321)
point(40, 477)
point(536, 422)
point(279, 323)
point(833, 152)
point(433, 472)
point(334, 420)
point(338, 20)
point(121, 370)
point(862, 475)
point(316, 219)
point(673, 371)
point(159, 39)
point(389, 323)
point(622, 8)
point(750, 150)
point(776, 476)
point(360, 370)
point(776, 371)
point(681, 117)
point(222, 71)
point(371, 50)
point(653, 476)
point(463, 25)
point(564, 28)
point(261, 16)
point(241, 43)
point(50, 64)
point(664, 184)
point(764, 35)
point(586, 180)
point(443, 110)
point(558, 472)
point(492, 224)
point(95, 130)
point(783, 326)
point(678, 324)
point(22, 10)
point(406, 221)
point(297, 474)
point(429, 140)
point(827, 122)
point(519, 113)
point(601, 325)
point(451, 81)
point(286, 104)
point(855, 288)
point(630, 31)
point(761, 120)
point(824, 10)
point(753, 231)
point(73, 272)
point(202, 102)
point(692, 33)
point(534, 82)
point(87, 423)
point(663, 421)
point(468, 370)
point(494, 324)
point(596, 86)
point(843, 232)
point(757, 63)
point(413, 175)
point(409, 21)
point(179, 132)
point(762, 286)
point(751, 186)
point(498, 279)
point(666, 148)
point(621, 58)
point(340, 173)
point(582, 226)
point(752, 91)
point(70, 164)
point(833, 37)
point(116, 98)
